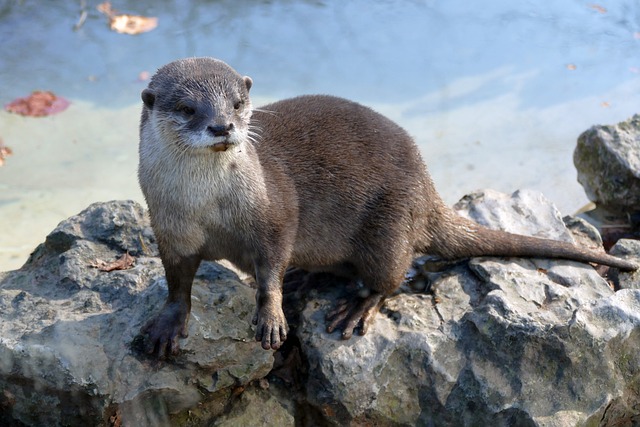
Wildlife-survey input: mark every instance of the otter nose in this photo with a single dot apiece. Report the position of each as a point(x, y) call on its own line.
point(220, 130)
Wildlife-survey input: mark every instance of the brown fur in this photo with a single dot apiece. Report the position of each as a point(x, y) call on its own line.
point(318, 182)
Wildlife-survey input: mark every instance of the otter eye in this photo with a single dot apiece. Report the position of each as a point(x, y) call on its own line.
point(186, 110)
point(237, 105)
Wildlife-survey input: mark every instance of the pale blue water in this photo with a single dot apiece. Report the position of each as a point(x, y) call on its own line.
point(494, 92)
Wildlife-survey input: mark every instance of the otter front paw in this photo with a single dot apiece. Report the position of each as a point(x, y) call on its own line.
point(163, 331)
point(271, 328)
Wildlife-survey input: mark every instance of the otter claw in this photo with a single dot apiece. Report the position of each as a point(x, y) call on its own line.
point(271, 330)
point(272, 340)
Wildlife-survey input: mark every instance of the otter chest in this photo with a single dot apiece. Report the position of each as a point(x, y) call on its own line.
point(208, 196)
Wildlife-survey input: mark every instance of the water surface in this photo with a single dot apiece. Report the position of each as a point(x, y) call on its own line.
point(495, 93)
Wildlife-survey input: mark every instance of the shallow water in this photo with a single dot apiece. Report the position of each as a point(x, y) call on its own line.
point(495, 94)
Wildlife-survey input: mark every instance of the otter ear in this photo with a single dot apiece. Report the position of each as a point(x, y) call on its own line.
point(247, 82)
point(148, 97)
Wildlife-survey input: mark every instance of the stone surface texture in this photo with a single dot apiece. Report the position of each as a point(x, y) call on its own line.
point(67, 328)
point(501, 342)
point(608, 162)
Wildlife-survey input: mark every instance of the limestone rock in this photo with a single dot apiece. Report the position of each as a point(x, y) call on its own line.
point(257, 407)
point(608, 162)
point(67, 328)
point(500, 342)
point(523, 212)
point(628, 248)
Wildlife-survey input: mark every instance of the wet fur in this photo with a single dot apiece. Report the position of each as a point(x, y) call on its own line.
point(317, 182)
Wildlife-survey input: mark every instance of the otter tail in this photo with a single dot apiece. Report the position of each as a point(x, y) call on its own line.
point(459, 237)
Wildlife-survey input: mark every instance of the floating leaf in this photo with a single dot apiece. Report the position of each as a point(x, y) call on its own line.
point(125, 262)
point(105, 7)
point(127, 24)
point(144, 76)
point(605, 104)
point(131, 24)
point(4, 152)
point(571, 67)
point(598, 8)
point(38, 104)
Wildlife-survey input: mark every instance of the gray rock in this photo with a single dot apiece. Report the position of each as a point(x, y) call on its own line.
point(500, 342)
point(608, 162)
point(66, 329)
point(512, 342)
point(257, 407)
point(523, 212)
point(626, 249)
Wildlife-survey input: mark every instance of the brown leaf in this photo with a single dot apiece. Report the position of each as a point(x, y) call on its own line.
point(4, 152)
point(116, 419)
point(127, 24)
point(327, 410)
point(571, 67)
point(105, 7)
point(38, 104)
point(598, 8)
point(237, 391)
point(125, 262)
point(132, 24)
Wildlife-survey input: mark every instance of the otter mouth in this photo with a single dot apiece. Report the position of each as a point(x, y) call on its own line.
point(220, 146)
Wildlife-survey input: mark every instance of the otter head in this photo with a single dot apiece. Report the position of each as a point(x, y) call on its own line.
point(199, 103)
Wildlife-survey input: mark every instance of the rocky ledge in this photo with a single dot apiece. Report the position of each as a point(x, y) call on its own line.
point(607, 158)
point(485, 341)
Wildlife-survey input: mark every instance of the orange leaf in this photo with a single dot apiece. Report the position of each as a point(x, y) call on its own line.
point(4, 152)
point(127, 24)
point(132, 24)
point(38, 104)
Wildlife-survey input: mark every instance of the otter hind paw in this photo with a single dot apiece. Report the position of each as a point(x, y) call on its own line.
point(349, 315)
point(161, 334)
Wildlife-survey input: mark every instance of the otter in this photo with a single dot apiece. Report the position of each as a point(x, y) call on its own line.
point(317, 182)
